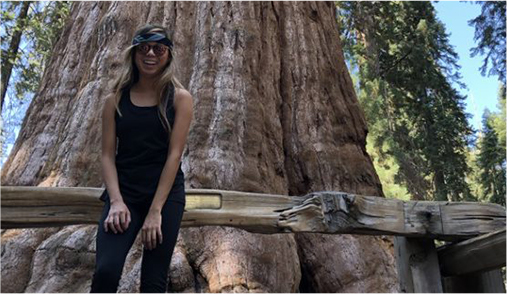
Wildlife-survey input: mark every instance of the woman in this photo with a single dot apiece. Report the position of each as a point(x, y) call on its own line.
point(150, 113)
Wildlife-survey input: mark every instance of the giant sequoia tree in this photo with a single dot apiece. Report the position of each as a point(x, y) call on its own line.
point(275, 112)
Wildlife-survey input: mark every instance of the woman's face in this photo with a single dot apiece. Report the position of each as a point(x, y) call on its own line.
point(151, 58)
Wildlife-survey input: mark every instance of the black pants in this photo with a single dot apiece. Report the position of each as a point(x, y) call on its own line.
point(112, 249)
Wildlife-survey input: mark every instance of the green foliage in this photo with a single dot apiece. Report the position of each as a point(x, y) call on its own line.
point(486, 162)
point(490, 33)
point(387, 168)
point(44, 26)
point(498, 119)
point(405, 65)
point(473, 176)
point(40, 31)
point(491, 163)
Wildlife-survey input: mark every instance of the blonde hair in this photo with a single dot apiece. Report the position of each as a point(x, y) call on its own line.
point(129, 75)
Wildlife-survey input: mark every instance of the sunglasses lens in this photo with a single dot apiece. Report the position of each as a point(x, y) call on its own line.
point(159, 50)
point(144, 48)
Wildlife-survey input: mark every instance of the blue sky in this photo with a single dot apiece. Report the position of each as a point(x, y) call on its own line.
point(482, 91)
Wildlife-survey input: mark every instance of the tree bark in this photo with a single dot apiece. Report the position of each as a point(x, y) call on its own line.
point(274, 112)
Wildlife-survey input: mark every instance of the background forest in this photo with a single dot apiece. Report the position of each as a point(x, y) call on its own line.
point(405, 71)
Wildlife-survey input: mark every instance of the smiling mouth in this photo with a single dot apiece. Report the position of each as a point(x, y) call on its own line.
point(149, 62)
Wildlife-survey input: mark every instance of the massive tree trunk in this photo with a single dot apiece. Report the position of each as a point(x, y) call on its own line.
point(275, 112)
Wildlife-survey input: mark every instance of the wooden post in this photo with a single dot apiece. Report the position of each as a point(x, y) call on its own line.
point(417, 265)
point(485, 282)
point(480, 254)
point(473, 265)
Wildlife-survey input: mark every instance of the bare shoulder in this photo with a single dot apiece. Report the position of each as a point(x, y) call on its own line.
point(109, 106)
point(182, 99)
point(182, 94)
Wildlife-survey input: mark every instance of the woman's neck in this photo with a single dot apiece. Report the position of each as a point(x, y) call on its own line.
point(146, 84)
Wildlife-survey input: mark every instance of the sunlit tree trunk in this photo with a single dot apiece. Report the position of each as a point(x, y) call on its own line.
point(274, 112)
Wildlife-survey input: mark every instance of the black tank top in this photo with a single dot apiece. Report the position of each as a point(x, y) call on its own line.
point(143, 144)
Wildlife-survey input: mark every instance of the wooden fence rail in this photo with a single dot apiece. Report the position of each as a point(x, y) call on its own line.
point(473, 265)
point(323, 212)
point(482, 254)
point(479, 228)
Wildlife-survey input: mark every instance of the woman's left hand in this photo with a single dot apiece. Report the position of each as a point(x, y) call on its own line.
point(151, 230)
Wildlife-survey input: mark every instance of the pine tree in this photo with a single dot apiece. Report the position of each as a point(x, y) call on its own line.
point(498, 119)
point(491, 161)
point(29, 32)
point(405, 65)
point(490, 32)
point(10, 54)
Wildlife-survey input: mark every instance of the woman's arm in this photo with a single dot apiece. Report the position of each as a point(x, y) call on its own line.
point(109, 172)
point(151, 231)
point(118, 217)
point(183, 106)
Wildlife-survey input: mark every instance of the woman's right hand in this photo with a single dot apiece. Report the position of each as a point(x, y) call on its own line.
point(118, 218)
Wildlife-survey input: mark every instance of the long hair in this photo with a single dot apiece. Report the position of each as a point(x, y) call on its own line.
point(129, 75)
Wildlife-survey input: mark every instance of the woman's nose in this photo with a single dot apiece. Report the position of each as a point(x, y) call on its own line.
point(151, 51)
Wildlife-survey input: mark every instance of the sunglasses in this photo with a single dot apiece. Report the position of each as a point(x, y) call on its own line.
point(158, 49)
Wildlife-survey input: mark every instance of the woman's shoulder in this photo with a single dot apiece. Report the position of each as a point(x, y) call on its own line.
point(112, 97)
point(109, 104)
point(182, 97)
point(181, 93)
